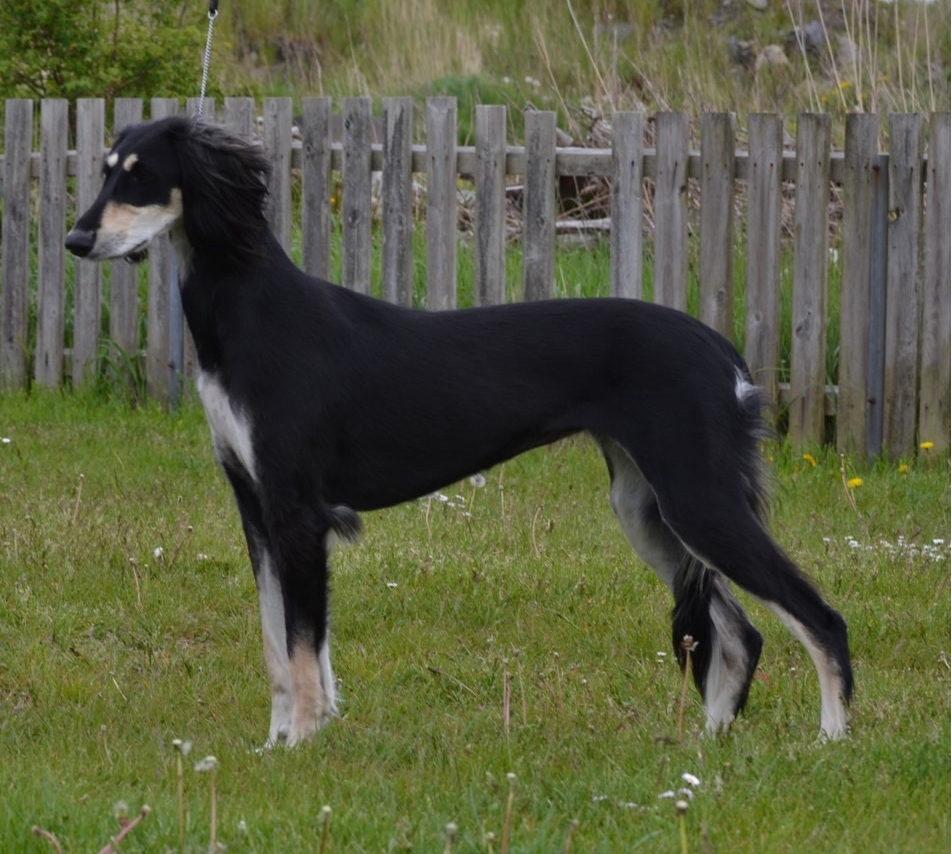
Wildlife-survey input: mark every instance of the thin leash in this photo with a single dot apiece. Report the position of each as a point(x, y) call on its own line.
point(212, 14)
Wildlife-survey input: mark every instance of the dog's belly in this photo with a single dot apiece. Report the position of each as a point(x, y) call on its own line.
point(230, 427)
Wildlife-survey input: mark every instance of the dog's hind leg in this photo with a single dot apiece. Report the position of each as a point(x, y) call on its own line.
point(270, 604)
point(728, 645)
point(713, 517)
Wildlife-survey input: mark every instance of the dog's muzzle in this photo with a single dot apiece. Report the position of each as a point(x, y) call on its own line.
point(80, 243)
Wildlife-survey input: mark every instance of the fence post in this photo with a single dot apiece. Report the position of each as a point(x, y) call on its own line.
point(627, 204)
point(762, 299)
point(124, 277)
point(239, 115)
point(277, 146)
point(877, 307)
point(934, 421)
point(51, 260)
point(160, 282)
point(316, 186)
point(356, 232)
point(671, 214)
point(440, 203)
point(852, 400)
point(538, 246)
point(717, 222)
point(18, 144)
point(396, 257)
point(87, 308)
point(490, 286)
point(810, 262)
point(902, 283)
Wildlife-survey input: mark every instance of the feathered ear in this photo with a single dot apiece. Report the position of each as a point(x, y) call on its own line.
point(224, 191)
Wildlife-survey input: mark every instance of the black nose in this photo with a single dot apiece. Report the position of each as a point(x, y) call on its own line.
point(80, 242)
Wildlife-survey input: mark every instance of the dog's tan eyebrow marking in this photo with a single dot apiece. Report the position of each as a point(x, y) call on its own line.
point(112, 159)
point(129, 162)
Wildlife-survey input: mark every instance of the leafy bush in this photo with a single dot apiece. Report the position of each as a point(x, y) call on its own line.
point(87, 48)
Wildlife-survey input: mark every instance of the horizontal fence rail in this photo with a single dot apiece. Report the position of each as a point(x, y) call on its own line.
point(668, 201)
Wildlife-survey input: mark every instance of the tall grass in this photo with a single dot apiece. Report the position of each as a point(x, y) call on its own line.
point(673, 55)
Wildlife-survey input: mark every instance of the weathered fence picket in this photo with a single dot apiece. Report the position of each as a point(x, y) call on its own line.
point(356, 198)
point(627, 205)
point(15, 264)
point(396, 251)
point(538, 201)
point(671, 210)
point(87, 305)
point(890, 384)
point(902, 288)
point(315, 186)
point(860, 150)
point(441, 170)
point(490, 262)
point(762, 299)
point(51, 254)
point(717, 222)
point(934, 374)
point(810, 264)
point(124, 277)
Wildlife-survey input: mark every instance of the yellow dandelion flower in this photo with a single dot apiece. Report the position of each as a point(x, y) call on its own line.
point(926, 445)
point(810, 459)
point(853, 482)
point(903, 468)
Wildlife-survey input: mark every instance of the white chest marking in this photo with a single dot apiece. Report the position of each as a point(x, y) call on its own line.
point(231, 429)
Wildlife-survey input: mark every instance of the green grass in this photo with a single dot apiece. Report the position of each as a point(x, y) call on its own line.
point(107, 653)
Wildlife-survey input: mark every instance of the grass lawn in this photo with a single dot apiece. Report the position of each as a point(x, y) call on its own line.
point(110, 649)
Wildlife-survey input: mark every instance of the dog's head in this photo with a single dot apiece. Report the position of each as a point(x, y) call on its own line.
point(173, 171)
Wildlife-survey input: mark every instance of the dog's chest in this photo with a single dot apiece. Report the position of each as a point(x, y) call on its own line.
point(231, 428)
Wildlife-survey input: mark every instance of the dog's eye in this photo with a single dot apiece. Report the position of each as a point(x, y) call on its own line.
point(138, 175)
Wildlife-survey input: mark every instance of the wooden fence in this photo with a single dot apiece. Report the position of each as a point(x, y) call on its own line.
point(892, 390)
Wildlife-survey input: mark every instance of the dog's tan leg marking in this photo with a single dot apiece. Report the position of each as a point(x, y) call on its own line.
point(311, 706)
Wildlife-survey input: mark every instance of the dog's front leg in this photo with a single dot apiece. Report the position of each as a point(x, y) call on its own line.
point(304, 588)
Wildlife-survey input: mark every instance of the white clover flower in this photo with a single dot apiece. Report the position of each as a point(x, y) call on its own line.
point(690, 779)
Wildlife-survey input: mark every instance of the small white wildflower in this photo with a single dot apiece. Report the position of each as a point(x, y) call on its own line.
point(391, 584)
point(183, 747)
point(668, 794)
point(201, 557)
point(690, 779)
point(681, 806)
point(243, 827)
point(939, 542)
point(6, 440)
point(157, 552)
point(461, 499)
point(598, 799)
point(209, 763)
point(687, 793)
point(661, 653)
point(478, 481)
point(120, 810)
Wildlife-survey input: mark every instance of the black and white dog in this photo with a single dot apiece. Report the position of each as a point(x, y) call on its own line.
point(323, 402)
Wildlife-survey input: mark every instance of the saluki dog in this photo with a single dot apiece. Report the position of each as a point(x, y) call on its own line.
point(323, 402)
